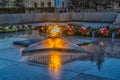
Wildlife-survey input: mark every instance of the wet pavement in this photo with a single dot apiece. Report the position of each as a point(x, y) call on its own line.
point(102, 63)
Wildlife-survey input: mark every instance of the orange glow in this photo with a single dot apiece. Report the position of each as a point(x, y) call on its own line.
point(54, 31)
point(55, 43)
point(55, 57)
point(55, 65)
point(55, 62)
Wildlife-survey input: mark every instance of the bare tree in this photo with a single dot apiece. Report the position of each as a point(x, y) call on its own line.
point(74, 4)
point(87, 4)
point(3, 3)
point(19, 3)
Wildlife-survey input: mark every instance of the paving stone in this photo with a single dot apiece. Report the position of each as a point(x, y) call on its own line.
point(78, 66)
point(110, 69)
point(31, 72)
point(10, 69)
point(8, 43)
point(11, 54)
point(89, 77)
point(5, 63)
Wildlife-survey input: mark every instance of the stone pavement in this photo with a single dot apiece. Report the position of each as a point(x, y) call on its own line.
point(13, 66)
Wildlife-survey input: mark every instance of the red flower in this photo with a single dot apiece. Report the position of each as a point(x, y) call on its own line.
point(88, 28)
point(84, 33)
point(82, 29)
point(69, 28)
point(38, 27)
point(103, 31)
point(118, 32)
point(99, 31)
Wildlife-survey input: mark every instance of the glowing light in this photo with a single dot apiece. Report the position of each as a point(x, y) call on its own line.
point(54, 31)
point(55, 62)
point(55, 43)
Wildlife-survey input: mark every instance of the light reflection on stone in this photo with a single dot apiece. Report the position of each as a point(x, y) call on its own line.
point(55, 57)
point(55, 61)
point(55, 65)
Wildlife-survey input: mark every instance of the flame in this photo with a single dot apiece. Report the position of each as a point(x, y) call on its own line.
point(55, 43)
point(55, 57)
point(54, 31)
point(55, 61)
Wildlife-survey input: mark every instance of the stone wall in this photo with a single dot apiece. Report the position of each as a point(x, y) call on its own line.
point(94, 17)
point(57, 17)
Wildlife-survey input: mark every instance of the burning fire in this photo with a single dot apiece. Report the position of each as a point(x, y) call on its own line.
point(55, 61)
point(55, 57)
point(54, 31)
point(55, 43)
